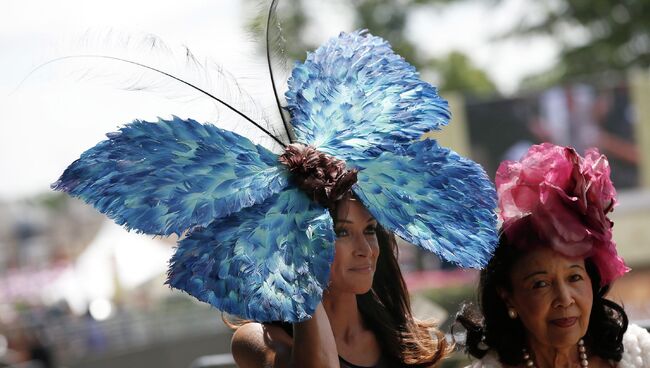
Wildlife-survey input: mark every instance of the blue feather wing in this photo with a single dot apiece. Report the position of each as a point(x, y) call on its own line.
point(166, 177)
point(355, 98)
point(434, 198)
point(269, 262)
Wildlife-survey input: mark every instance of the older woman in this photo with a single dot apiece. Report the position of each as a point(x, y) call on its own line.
point(542, 296)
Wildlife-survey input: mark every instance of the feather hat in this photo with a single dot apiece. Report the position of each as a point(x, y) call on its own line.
point(257, 238)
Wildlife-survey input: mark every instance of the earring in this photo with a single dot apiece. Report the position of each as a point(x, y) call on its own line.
point(482, 345)
point(512, 313)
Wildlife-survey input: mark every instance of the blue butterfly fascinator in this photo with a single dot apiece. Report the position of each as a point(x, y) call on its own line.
point(256, 242)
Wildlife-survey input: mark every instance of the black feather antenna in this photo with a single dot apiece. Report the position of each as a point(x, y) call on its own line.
point(273, 22)
point(155, 43)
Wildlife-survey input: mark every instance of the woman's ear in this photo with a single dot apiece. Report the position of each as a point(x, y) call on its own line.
point(505, 296)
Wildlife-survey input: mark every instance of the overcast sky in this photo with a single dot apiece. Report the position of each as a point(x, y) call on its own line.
point(57, 114)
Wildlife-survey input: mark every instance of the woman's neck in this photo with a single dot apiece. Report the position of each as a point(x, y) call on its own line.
point(344, 315)
point(548, 357)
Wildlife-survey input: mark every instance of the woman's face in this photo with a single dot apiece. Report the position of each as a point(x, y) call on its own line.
point(552, 296)
point(357, 249)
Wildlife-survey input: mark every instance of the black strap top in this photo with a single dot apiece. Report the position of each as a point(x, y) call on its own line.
point(288, 328)
point(345, 364)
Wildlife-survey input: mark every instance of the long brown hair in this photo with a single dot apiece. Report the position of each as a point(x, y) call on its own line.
point(386, 309)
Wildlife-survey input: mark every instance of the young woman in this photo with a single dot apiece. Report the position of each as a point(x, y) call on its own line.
point(365, 317)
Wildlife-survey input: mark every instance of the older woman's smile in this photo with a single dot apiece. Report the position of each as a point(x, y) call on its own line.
point(564, 322)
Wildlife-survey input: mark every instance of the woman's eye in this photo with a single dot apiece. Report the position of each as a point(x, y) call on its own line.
point(341, 232)
point(575, 277)
point(539, 284)
point(370, 230)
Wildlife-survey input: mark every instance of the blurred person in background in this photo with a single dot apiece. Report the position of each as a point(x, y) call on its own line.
point(582, 116)
point(40, 354)
point(543, 294)
point(26, 348)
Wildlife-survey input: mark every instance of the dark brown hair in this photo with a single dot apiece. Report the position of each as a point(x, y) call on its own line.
point(386, 309)
point(607, 323)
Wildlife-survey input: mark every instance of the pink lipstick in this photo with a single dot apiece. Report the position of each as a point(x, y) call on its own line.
point(565, 322)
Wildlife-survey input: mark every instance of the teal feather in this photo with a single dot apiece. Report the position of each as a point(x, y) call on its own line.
point(354, 98)
point(268, 262)
point(167, 177)
point(432, 197)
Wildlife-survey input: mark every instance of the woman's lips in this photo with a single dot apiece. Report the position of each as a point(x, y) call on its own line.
point(565, 322)
point(363, 269)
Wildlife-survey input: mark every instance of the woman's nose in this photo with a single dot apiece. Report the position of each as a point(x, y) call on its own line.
point(563, 296)
point(362, 247)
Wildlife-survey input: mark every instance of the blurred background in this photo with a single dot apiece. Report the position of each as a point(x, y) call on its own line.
point(78, 291)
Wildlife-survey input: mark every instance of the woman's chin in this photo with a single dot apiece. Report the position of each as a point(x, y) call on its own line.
point(352, 286)
point(361, 288)
point(360, 282)
point(564, 336)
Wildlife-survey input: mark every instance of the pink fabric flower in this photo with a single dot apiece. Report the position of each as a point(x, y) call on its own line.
point(565, 198)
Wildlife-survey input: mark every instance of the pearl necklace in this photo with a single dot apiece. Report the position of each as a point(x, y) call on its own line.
point(582, 352)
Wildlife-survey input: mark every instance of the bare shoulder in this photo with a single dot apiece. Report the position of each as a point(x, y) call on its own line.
point(255, 345)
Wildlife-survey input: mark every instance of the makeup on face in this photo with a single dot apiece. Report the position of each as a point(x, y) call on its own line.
point(357, 248)
point(552, 295)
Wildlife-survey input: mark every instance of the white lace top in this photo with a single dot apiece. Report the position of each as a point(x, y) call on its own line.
point(636, 345)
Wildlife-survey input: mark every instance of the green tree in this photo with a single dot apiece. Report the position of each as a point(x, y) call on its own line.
point(388, 19)
point(615, 34)
point(459, 74)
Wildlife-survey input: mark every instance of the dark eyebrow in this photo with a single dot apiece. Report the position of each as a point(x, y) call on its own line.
point(577, 266)
point(337, 221)
point(544, 272)
point(534, 274)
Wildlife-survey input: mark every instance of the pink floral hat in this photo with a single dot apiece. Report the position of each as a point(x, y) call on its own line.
point(565, 198)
